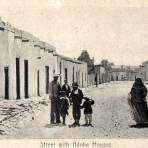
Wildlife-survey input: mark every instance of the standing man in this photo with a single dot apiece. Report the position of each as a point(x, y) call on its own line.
point(67, 89)
point(54, 92)
point(76, 96)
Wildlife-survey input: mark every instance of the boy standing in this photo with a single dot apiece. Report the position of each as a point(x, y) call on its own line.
point(88, 111)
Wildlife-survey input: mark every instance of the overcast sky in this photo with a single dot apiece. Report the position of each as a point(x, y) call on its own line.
point(119, 34)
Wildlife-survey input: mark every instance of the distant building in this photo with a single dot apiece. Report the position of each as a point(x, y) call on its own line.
point(71, 70)
point(143, 71)
point(96, 73)
point(122, 72)
point(90, 66)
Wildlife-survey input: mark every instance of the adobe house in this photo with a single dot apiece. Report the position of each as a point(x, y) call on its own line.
point(72, 70)
point(27, 64)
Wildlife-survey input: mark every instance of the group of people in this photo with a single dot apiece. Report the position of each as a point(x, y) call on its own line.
point(138, 103)
point(62, 97)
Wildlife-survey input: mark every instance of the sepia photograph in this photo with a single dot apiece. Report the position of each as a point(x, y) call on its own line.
point(73, 69)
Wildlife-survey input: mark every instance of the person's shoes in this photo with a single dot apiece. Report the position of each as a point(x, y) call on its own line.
point(58, 121)
point(85, 124)
point(72, 125)
point(78, 124)
point(52, 122)
point(64, 124)
point(90, 125)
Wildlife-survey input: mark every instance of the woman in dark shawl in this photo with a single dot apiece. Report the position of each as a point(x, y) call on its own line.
point(138, 101)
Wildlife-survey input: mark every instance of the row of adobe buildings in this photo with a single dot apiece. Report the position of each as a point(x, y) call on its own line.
point(27, 66)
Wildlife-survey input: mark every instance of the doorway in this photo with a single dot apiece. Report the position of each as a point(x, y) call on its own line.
point(73, 76)
point(26, 78)
point(66, 76)
point(82, 79)
point(6, 70)
point(17, 78)
point(47, 78)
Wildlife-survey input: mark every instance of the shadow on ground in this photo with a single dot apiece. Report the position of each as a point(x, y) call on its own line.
point(139, 126)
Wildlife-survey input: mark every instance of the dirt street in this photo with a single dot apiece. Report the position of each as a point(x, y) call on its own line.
point(111, 117)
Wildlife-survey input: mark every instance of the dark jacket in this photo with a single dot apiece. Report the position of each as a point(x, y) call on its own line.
point(64, 106)
point(76, 99)
point(87, 106)
point(67, 90)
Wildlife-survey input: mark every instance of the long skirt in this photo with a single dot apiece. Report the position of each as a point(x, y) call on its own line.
point(139, 111)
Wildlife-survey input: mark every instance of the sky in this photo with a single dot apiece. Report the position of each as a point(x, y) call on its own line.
point(117, 32)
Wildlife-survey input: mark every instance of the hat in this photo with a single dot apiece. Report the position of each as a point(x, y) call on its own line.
point(56, 75)
point(75, 85)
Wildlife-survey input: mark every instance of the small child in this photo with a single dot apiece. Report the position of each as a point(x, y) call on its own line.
point(64, 106)
point(88, 111)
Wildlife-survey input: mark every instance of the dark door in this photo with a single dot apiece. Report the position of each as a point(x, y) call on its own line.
point(66, 76)
point(17, 78)
point(47, 78)
point(116, 78)
point(77, 77)
point(73, 75)
point(38, 83)
point(60, 72)
point(82, 79)
point(6, 69)
point(26, 78)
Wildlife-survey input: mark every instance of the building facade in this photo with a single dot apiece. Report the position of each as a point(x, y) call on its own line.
point(122, 73)
point(28, 64)
point(143, 71)
point(71, 70)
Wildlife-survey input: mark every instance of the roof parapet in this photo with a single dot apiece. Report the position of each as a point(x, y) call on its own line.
point(37, 43)
point(17, 33)
point(69, 59)
point(49, 47)
point(2, 25)
point(9, 27)
point(26, 36)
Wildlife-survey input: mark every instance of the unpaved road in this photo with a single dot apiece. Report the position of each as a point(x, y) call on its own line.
point(111, 118)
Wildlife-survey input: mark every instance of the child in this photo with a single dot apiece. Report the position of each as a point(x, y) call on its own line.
point(64, 106)
point(88, 111)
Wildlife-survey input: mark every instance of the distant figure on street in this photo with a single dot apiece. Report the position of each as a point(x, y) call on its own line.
point(54, 92)
point(138, 102)
point(67, 89)
point(96, 80)
point(88, 111)
point(76, 98)
point(64, 106)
